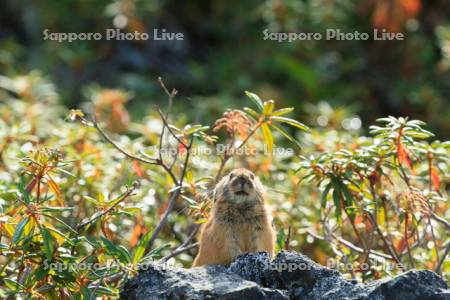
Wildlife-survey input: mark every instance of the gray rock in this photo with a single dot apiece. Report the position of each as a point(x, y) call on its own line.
point(212, 282)
point(289, 276)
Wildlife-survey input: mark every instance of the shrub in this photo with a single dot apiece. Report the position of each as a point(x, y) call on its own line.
point(86, 202)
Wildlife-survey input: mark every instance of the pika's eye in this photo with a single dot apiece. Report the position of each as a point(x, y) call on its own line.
point(231, 175)
point(252, 176)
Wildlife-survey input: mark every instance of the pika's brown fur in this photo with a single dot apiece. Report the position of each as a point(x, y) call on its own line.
point(239, 221)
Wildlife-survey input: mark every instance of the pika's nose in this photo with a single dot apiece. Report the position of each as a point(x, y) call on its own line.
point(241, 181)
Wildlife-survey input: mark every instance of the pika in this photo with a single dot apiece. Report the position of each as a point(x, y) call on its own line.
point(239, 222)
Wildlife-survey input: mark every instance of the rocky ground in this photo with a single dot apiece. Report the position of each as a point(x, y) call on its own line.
point(289, 276)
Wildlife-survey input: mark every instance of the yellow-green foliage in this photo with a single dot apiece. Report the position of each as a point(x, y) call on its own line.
point(78, 216)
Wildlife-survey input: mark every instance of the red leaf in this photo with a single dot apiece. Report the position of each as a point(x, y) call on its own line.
point(435, 179)
point(137, 168)
point(137, 231)
point(403, 155)
point(30, 186)
point(181, 148)
point(400, 245)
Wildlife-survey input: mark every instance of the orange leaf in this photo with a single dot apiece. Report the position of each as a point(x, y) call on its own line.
point(105, 229)
point(435, 179)
point(403, 155)
point(137, 168)
point(411, 7)
point(137, 232)
point(400, 245)
point(181, 148)
point(54, 187)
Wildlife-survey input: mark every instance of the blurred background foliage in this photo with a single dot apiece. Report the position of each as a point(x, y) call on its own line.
point(338, 88)
point(223, 53)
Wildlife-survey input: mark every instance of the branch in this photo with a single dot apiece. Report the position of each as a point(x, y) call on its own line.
point(352, 246)
point(96, 217)
point(386, 243)
point(109, 140)
point(179, 251)
point(166, 124)
point(440, 220)
point(172, 199)
point(447, 250)
point(153, 161)
point(169, 107)
point(226, 156)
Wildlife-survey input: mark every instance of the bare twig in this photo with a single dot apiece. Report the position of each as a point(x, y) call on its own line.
point(407, 242)
point(172, 200)
point(389, 248)
point(169, 107)
point(179, 251)
point(166, 124)
point(149, 160)
point(227, 155)
point(440, 220)
point(109, 140)
point(447, 250)
point(184, 246)
point(96, 217)
point(352, 246)
point(287, 241)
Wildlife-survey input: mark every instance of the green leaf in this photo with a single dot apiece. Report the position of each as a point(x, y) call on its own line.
point(61, 222)
point(119, 252)
point(102, 290)
point(195, 128)
point(291, 122)
point(156, 251)
point(286, 135)
point(191, 202)
point(19, 230)
point(323, 203)
point(140, 249)
point(255, 100)
point(116, 200)
point(283, 111)
point(267, 136)
point(337, 200)
point(251, 113)
point(26, 195)
point(86, 293)
point(281, 239)
point(66, 238)
point(55, 209)
point(348, 197)
point(40, 272)
point(12, 285)
point(48, 242)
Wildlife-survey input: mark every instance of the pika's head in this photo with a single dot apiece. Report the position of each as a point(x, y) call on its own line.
point(239, 186)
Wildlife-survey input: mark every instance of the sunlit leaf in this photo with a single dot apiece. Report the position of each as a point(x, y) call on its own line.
point(267, 136)
point(19, 230)
point(256, 100)
point(282, 111)
point(435, 179)
point(291, 122)
point(286, 135)
point(48, 242)
point(268, 107)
